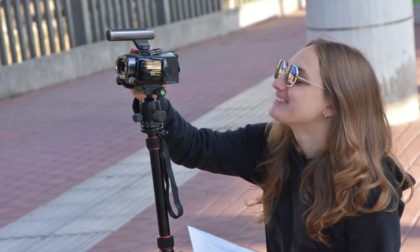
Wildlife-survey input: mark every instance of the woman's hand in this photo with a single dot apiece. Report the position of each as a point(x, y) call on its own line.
point(138, 95)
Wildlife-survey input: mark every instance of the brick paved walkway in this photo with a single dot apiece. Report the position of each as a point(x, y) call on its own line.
point(54, 139)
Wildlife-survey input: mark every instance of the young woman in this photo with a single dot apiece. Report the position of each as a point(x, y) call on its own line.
point(324, 164)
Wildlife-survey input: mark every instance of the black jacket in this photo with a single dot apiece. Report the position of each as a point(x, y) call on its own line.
point(239, 151)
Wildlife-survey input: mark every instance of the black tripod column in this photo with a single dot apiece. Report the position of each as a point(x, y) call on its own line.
point(165, 240)
point(152, 118)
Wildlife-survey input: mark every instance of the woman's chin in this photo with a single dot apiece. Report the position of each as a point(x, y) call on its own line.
point(275, 114)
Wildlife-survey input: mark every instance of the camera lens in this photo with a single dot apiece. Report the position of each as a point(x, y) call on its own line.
point(125, 66)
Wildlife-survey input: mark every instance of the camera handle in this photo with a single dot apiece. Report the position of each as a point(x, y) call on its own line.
point(151, 117)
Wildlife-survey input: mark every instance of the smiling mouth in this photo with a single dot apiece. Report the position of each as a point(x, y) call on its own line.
point(281, 100)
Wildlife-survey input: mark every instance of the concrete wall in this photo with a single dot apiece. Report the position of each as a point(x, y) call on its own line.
point(89, 59)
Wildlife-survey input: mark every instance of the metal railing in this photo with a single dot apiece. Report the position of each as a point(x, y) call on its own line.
point(139, 14)
point(32, 28)
point(36, 28)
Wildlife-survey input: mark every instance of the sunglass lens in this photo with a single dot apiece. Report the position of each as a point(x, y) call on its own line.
point(281, 68)
point(277, 72)
point(292, 75)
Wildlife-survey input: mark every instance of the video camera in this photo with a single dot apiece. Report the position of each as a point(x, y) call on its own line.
point(146, 66)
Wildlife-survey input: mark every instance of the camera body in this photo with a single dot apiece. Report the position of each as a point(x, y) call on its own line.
point(146, 66)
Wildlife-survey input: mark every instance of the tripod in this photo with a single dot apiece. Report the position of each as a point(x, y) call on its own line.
point(151, 117)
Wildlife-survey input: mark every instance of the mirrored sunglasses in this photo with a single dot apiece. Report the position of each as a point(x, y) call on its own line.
point(291, 74)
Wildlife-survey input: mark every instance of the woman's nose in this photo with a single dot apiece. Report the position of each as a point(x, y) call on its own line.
point(279, 83)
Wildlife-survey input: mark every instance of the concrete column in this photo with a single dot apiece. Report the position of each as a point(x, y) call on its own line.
point(384, 31)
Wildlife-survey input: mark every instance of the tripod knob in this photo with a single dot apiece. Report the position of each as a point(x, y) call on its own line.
point(137, 117)
point(159, 116)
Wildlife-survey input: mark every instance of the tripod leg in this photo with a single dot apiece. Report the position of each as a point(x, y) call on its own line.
point(165, 240)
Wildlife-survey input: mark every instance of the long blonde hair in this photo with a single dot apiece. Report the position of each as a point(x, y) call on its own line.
point(337, 184)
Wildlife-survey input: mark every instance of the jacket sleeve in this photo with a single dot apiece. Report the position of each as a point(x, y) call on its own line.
point(235, 152)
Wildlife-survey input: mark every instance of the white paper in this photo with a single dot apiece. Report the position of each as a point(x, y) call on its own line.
point(205, 242)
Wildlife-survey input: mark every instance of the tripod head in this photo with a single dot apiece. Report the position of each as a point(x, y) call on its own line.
point(150, 116)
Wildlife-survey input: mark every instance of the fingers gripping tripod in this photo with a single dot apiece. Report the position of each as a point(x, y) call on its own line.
point(151, 117)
